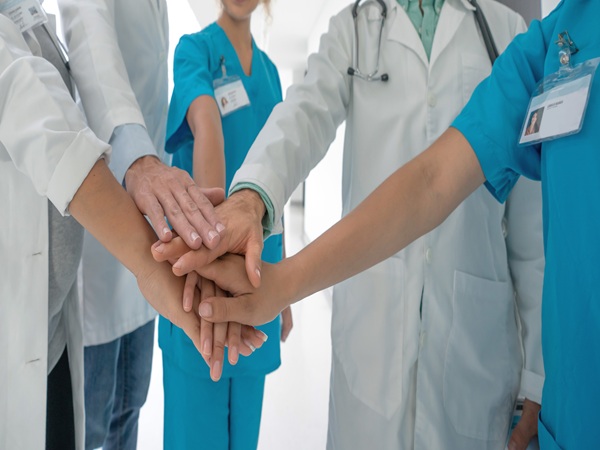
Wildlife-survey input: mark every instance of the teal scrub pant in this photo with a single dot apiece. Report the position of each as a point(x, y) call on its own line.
point(202, 414)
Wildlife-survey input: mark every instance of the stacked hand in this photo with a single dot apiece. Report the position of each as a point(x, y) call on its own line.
point(160, 191)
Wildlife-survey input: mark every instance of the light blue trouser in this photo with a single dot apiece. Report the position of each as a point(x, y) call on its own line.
point(117, 378)
point(202, 414)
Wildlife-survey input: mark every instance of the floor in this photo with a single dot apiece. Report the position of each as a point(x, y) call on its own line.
point(296, 395)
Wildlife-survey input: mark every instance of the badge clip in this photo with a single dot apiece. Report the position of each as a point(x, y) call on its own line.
point(567, 48)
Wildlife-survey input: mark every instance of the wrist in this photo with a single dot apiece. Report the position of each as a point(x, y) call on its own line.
point(293, 284)
point(139, 166)
point(252, 200)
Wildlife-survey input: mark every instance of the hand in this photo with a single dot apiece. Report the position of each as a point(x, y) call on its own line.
point(239, 338)
point(159, 190)
point(242, 215)
point(249, 305)
point(287, 323)
point(527, 428)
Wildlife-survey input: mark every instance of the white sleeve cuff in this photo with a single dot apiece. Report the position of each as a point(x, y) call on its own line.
point(532, 385)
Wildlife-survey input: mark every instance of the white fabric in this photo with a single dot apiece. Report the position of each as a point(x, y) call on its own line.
point(447, 380)
point(118, 54)
point(46, 150)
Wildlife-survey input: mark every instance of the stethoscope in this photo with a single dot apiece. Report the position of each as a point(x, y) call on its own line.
point(482, 23)
point(355, 71)
point(60, 48)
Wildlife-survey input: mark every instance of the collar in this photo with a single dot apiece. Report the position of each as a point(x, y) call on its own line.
point(437, 4)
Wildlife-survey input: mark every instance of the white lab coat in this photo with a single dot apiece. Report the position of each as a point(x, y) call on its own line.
point(448, 379)
point(132, 89)
point(46, 150)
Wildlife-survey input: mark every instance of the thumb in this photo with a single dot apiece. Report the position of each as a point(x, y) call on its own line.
point(254, 262)
point(214, 195)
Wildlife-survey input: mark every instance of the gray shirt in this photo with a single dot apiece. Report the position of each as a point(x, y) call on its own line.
point(65, 237)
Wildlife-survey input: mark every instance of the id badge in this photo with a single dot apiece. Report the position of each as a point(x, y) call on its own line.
point(230, 94)
point(26, 14)
point(558, 105)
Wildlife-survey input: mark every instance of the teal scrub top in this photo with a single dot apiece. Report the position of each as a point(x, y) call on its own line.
point(569, 169)
point(197, 64)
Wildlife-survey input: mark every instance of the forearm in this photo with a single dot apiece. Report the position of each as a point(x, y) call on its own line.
point(209, 154)
point(109, 214)
point(412, 201)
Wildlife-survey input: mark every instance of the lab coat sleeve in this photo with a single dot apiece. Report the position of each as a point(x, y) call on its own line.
point(301, 128)
point(100, 74)
point(525, 250)
point(42, 132)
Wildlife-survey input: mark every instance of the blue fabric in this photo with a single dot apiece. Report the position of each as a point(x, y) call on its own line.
point(196, 66)
point(129, 143)
point(117, 378)
point(219, 416)
point(569, 169)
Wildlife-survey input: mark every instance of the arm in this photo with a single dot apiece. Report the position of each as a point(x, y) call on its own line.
point(204, 120)
point(411, 202)
point(526, 260)
point(110, 103)
point(294, 139)
point(55, 150)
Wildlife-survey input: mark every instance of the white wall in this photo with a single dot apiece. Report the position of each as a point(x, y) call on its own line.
point(548, 6)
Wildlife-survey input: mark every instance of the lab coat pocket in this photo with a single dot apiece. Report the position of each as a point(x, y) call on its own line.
point(483, 358)
point(367, 334)
point(475, 68)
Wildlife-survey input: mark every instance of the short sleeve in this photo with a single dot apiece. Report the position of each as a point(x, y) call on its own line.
point(192, 77)
point(492, 119)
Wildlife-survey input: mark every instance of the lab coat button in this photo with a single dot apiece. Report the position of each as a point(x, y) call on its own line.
point(431, 100)
point(428, 256)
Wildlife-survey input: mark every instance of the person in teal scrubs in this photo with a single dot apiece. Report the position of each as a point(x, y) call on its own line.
point(225, 89)
point(569, 168)
point(481, 146)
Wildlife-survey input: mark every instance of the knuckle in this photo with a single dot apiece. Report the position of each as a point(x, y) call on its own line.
point(174, 211)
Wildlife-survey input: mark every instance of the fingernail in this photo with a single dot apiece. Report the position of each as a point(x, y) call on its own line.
point(233, 355)
point(160, 248)
point(252, 347)
point(166, 231)
point(212, 235)
point(207, 347)
point(261, 335)
point(216, 372)
point(205, 310)
point(220, 227)
point(258, 272)
point(195, 236)
point(178, 265)
point(187, 304)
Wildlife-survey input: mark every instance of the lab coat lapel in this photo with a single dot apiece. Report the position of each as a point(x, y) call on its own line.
point(402, 30)
point(453, 13)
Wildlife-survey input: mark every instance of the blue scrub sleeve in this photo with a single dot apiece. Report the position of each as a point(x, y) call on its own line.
point(192, 76)
point(493, 118)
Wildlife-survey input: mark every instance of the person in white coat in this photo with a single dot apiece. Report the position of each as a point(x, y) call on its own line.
point(126, 105)
point(48, 154)
point(436, 360)
point(52, 165)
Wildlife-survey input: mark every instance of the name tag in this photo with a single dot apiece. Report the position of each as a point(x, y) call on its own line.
point(26, 14)
point(559, 103)
point(230, 95)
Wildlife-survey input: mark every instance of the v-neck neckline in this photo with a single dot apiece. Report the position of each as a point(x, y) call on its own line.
point(237, 58)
